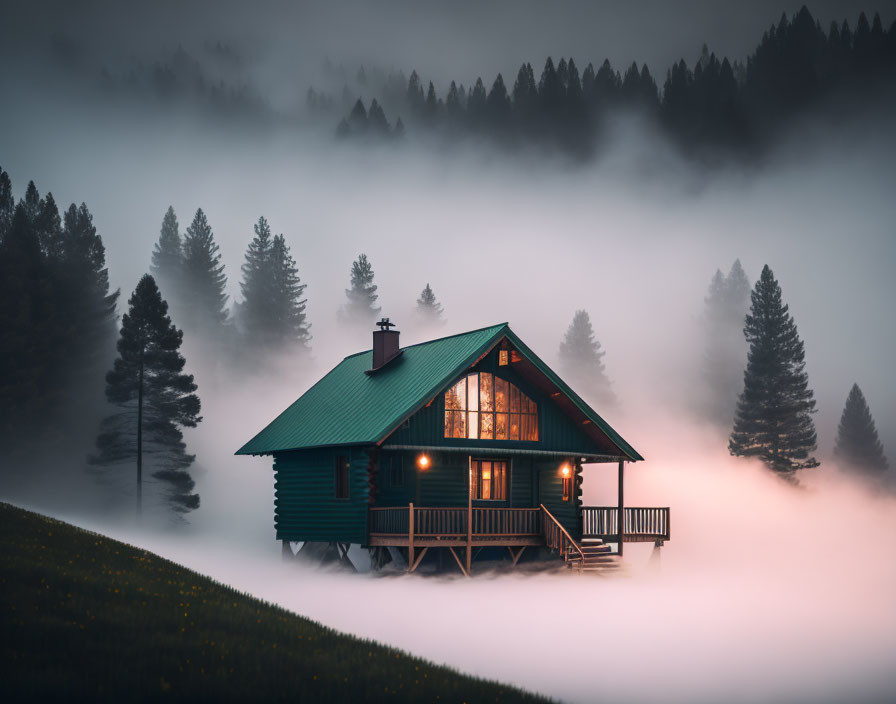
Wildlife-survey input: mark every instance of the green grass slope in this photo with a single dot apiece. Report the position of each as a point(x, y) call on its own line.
point(88, 617)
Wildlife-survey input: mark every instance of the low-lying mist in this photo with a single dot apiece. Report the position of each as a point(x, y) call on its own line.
point(766, 592)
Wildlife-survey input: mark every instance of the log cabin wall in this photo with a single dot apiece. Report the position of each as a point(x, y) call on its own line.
point(305, 504)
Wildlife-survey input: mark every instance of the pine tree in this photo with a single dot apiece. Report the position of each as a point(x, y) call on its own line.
point(273, 310)
point(581, 359)
point(86, 301)
point(204, 280)
point(7, 204)
point(168, 257)
point(773, 420)
point(155, 399)
point(257, 285)
point(289, 306)
point(725, 352)
point(858, 446)
point(428, 308)
point(362, 294)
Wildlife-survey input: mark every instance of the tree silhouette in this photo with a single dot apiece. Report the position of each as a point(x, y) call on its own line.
point(168, 256)
point(428, 308)
point(581, 360)
point(204, 280)
point(361, 293)
point(773, 420)
point(858, 446)
point(154, 400)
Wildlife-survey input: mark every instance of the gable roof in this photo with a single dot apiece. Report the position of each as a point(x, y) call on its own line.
point(349, 407)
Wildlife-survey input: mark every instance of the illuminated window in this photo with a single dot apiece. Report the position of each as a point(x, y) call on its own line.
point(484, 406)
point(567, 488)
point(503, 358)
point(489, 480)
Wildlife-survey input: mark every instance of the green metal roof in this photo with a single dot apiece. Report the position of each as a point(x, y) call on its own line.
point(350, 407)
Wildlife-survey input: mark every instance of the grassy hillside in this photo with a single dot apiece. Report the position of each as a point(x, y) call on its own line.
point(87, 617)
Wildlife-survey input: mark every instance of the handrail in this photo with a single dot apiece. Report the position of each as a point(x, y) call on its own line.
point(562, 532)
point(452, 520)
point(637, 522)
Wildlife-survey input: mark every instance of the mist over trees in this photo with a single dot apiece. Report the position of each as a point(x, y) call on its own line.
point(57, 319)
point(858, 447)
point(361, 295)
point(725, 351)
point(773, 420)
point(429, 310)
point(154, 400)
point(273, 311)
point(204, 281)
point(581, 362)
point(714, 104)
point(168, 257)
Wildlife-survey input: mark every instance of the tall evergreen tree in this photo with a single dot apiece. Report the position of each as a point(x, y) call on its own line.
point(361, 305)
point(289, 306)
point(88, 304)
point(155, 399)
point(7, 204)
point(725, 352)
point(273, 310)
point(257, 285)
point(428, 308)
point(858, 446)
point(168, 256)
point(204, 280)
point(581, 360)
point(773, 420)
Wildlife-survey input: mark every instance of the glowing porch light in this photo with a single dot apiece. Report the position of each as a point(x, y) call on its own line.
point(423, 461)
point(564, 470)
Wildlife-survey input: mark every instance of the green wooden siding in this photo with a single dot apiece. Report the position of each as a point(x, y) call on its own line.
point(550, 493)
point(555, 429)
point(305, 503)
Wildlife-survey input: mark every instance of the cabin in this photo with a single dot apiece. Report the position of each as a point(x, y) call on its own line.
point(465, 446)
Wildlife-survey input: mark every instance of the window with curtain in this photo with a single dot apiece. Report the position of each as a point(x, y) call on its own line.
point(486, 407)
point(489, 479)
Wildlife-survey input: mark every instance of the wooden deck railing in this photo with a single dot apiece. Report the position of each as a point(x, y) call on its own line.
point(557, 538)
point(453, 521)
point(640, 523)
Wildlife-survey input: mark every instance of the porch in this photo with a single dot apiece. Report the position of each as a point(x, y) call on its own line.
point(419, 528)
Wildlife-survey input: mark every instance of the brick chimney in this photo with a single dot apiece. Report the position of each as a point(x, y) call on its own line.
point(385, 344)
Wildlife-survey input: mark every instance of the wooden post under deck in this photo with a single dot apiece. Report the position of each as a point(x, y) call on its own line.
point(469, 513)
point(620, 515)
point(410, 535)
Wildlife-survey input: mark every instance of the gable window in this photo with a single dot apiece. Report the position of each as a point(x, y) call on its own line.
point(489, 479)
point(341, 471)
point(484, 406)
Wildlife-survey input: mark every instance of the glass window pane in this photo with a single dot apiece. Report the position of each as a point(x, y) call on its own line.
point(474, 479)
point(486, 484)
point(486, 399)
point(501, 400)
point(501, 426)
point(514, 399)
point(473, 425)
point(524, 426)
point(500, 480)
point(514, 426)
point(533, 427)
point(487, 426)
point(473, 392)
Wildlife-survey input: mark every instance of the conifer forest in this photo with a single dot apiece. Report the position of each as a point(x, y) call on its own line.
point(685, 210)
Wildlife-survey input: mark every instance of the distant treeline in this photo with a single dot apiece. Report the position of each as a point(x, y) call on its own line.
point(716, 103)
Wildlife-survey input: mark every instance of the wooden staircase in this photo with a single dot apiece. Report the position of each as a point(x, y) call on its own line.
point(593, 556)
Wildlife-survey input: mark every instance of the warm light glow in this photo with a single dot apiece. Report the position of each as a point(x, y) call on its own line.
point(423, 461)
point(486, 475)
point(564, 470)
